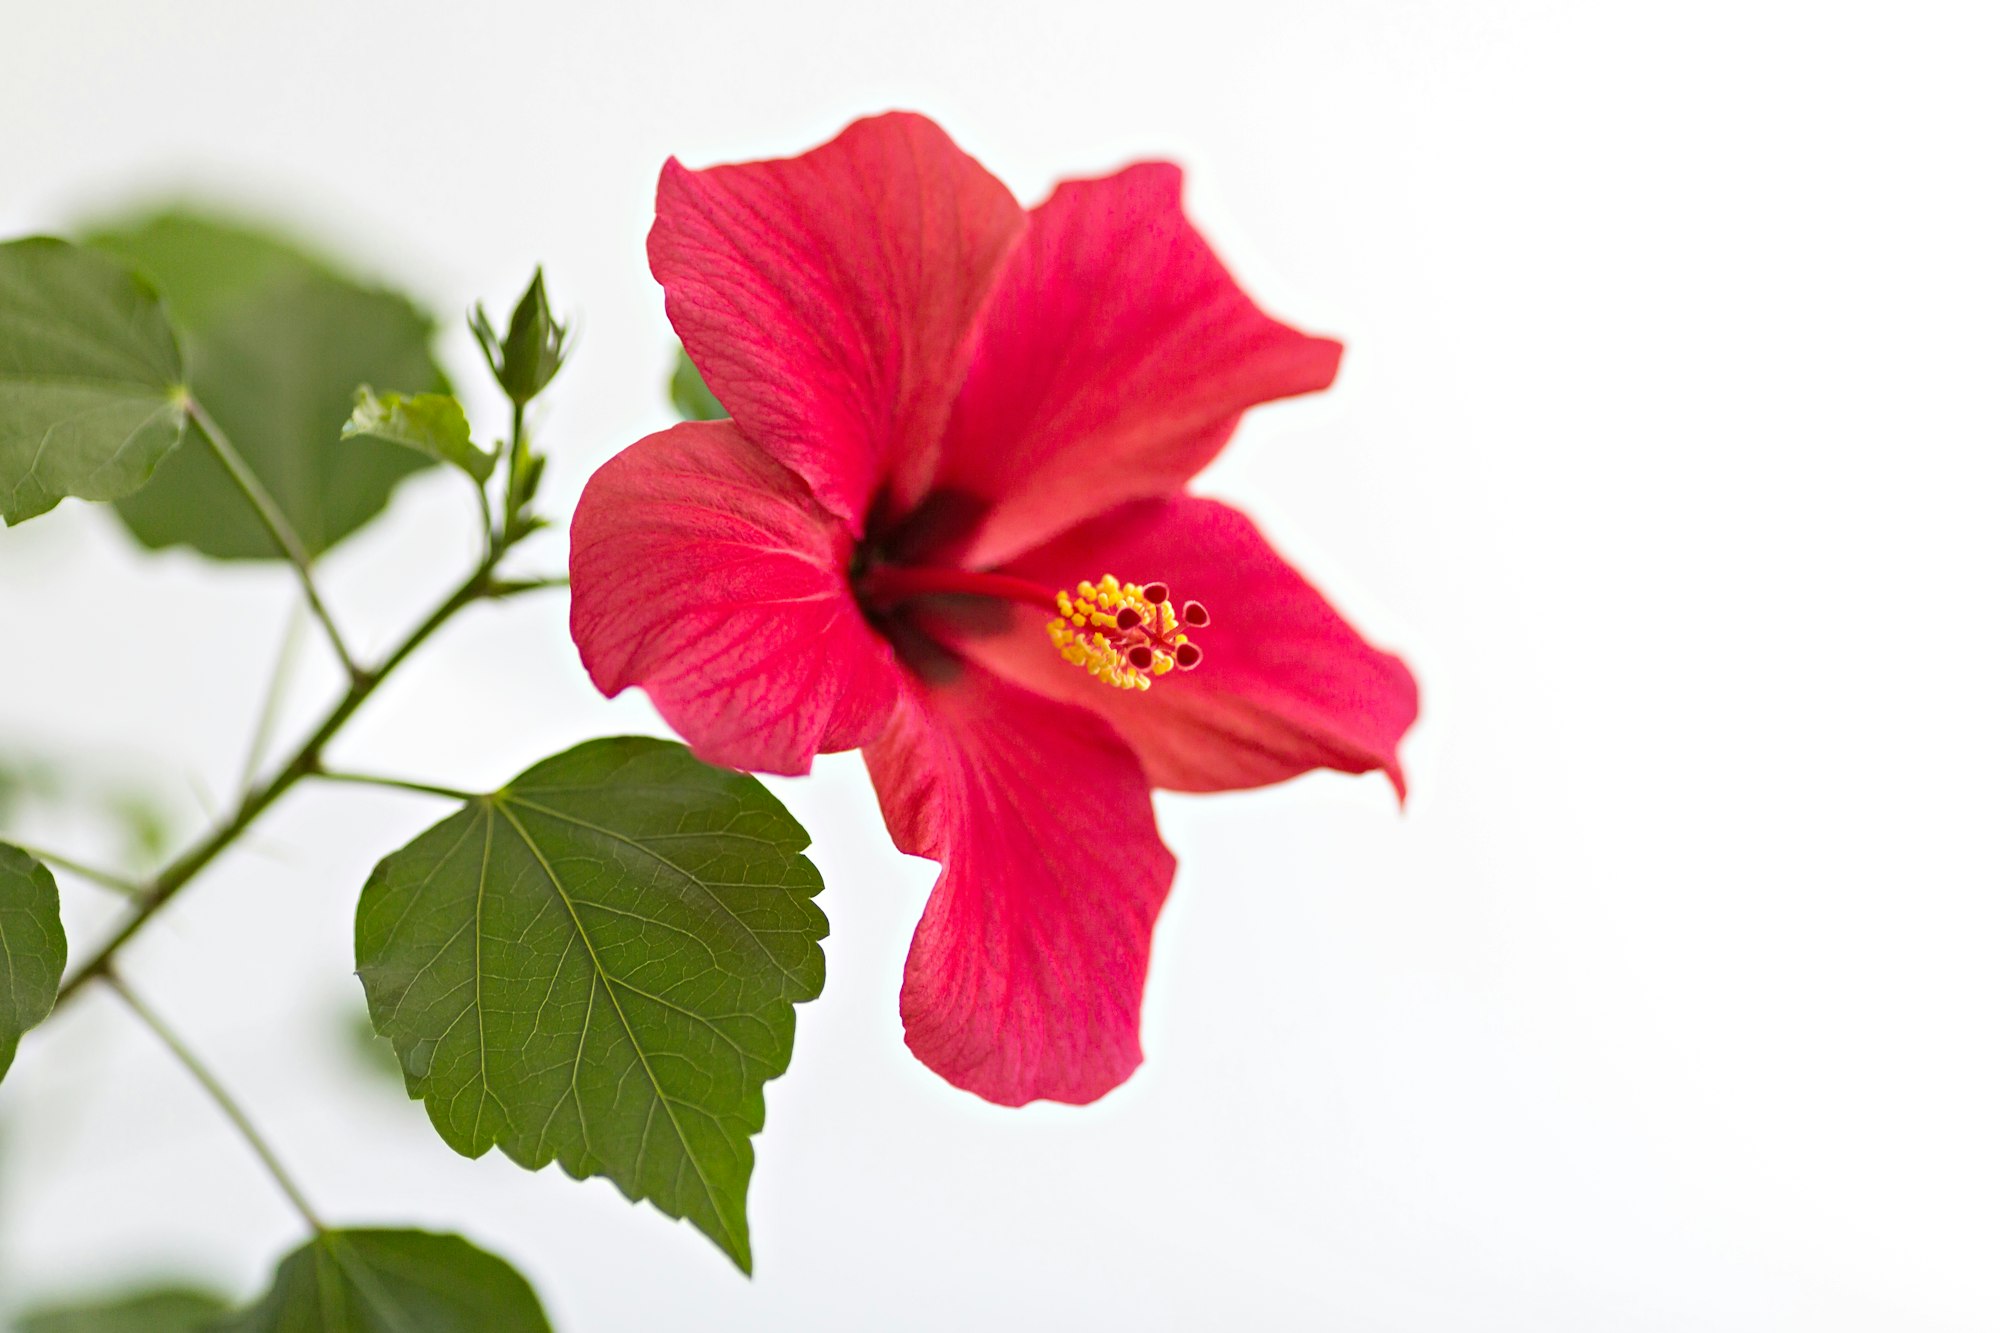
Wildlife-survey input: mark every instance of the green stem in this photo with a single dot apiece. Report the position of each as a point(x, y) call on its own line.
point(399, 784)
point(116, 883)
point(303, 763)
point(222, 1099)
point(267, 716)
point(276, 524)
point(486, 524)
point(516, 444)
point(509, 587)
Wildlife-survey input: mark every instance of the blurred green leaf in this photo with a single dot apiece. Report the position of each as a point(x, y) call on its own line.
point(138, 822)
point(392, 1282)
point(598, 965)
point(690, 395)
point(33, 949)
point(23, 779)
point(175, 1309)
point(145, 825)
point(275, 342)
point(370, 1049)
point(433, 424)
point(533, 350)
point(91, 394)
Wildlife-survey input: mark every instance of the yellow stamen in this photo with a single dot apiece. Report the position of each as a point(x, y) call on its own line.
point(1124, 634)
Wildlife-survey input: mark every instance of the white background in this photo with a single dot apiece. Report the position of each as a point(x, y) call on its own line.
point(1664, 449)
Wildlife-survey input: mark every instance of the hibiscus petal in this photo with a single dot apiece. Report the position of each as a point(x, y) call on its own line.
point(827, 299)
point(706, 574)
point(1284, 685)
point(1112, 363)
point(1025, 976)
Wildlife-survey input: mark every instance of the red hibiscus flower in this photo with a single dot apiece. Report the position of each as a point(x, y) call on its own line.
point(947, 522)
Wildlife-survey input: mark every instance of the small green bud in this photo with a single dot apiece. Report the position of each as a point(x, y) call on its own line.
point(534, 348)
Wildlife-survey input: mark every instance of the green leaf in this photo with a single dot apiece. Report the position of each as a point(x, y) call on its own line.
point(33, 949)
point(91, 397)
point(392, 1282)
point(533, 350)
point(433, 424)
point(276, 342)
point(159, 1310)
point(690, 394)
point(597, 965)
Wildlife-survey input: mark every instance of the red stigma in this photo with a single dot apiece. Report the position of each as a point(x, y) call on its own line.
point(1124, 634)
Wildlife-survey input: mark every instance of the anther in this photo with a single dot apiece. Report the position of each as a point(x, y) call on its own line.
point(1125, 634)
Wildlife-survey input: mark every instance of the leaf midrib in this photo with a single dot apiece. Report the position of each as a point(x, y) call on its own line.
point(604, 979)
point(358, 1273)
point(674, 866)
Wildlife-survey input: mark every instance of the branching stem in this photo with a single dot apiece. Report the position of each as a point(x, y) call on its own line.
point(303, 763)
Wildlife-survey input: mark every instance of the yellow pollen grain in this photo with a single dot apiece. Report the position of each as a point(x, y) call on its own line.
point(1078, 634)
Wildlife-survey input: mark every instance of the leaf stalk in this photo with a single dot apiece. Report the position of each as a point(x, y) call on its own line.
point(117, 883)
point(230, 1107)
point(275, 523)
point(396, 784)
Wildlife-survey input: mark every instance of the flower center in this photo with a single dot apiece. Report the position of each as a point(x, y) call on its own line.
point(1123, 634)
